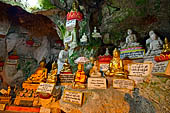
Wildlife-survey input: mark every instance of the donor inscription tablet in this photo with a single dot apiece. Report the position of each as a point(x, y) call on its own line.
point(140, 69)
point(45, 88)
point(123, 84)
point(96, 83)
point(73, 97)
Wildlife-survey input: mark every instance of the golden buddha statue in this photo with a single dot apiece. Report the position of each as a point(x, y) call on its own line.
point(6, 92)
point(116, 65)
point(95, 71)
point(9, 91)
point(80, 74)
point(75, 6)
point(66, 67)
point(166, 46)
point(53, 73)
point(40, 74)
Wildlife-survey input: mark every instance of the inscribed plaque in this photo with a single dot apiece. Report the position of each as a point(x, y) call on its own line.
point(140, 69)
point(123, 84)
point(74, 97)
point(96, 83)
point(45, 88)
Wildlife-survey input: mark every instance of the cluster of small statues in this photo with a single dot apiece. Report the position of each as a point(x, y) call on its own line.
point(116, 67)
point(154, 44)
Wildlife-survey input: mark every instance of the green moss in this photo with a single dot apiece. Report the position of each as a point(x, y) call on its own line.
point(140, 2)
point(46, 4)
point(62, 29)
point(157, 5)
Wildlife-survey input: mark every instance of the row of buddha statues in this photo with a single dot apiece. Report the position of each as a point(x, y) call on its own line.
point(154, 44)
point(116, 68)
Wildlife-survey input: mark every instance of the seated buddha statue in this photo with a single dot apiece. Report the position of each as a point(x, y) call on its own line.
point(155, 47)
point(80, 76)
point(166, 46)
point(66, 67)
point(116, 65)
point(53, 73)
point(40, 74)
point(95, 71)
point(131, 40)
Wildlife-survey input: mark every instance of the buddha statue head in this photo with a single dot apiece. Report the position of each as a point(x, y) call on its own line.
point(66, 47)
point(80, 67)
point(42, 63)
point(154, 36)
point(66, 60)
point(166, 40)
point(54, 65)
point(129, 31)
point(116, 53)
point(92, 59)
point(75, 5)
point(14, 52)
point(151, 33)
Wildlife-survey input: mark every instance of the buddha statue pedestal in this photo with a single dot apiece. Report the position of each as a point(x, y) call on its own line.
point(66, 78)
point(162, 57)
point(104, 61)
point(5, 100)
point(132, 53)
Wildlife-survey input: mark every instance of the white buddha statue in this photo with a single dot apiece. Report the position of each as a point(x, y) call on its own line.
point(131, 40)
point(107, 52)
point(95, 34)
point(83, 40)
point(63, 55)
point(155, 47)
point(149, 40)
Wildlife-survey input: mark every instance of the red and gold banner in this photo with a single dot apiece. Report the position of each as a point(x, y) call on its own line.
point(163, 57)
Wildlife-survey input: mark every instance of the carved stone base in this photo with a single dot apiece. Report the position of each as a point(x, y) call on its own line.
point(5, 99)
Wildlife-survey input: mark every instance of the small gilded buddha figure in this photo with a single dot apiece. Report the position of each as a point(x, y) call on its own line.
point(116, 65)
point(75, 6)
point(80, 75)
point(66, 67)
point(40, 74)
point(6, 92)
point(166, 46)
point(53, 73)
point(95, 71)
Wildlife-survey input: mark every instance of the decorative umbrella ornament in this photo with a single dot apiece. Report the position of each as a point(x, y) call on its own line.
point(82, 60)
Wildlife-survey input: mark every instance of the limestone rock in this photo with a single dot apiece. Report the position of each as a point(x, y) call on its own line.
point(100, 101)
point(42, 51)
point(3, 49)
point(11, 41)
